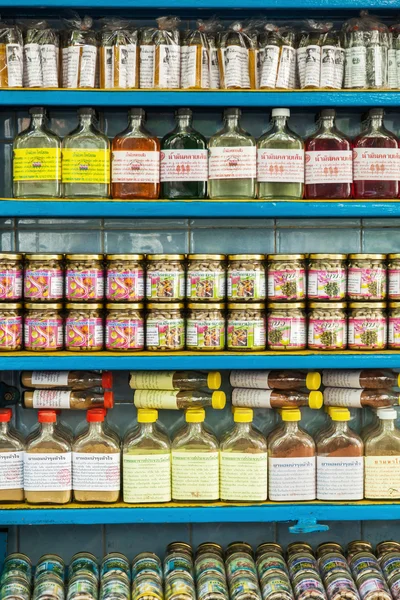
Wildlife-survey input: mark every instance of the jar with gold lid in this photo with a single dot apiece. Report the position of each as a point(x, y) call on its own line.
point(165, 277)
point(327, 277)
point(367, 277)
point(327, 326)
point(124, 327)
point(367, 326)
point(84, 278)
point(287, 326)
point(205, 327)
point(286, 277)
point(84, 327)
point(206, 278)
point(44, 277)
point(11, 276)
point(124, 277)
point(165, 327)
point(43, 329)
point(246, 278)
point(10, 326)
point(246, 327)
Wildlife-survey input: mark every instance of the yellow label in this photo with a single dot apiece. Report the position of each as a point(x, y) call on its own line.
point(152, 380)
point(147, 477)
point(382, 477)
point(243, 476)
point(37, 164)
point(85, 166)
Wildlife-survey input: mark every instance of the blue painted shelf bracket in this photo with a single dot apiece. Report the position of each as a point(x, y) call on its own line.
point(308, 526)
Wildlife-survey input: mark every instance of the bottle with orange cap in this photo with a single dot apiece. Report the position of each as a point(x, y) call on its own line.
point(73, 380)
point(244, 461)
point(175, 380)
point(179, 399)
point(68, 399)
point(12, 461)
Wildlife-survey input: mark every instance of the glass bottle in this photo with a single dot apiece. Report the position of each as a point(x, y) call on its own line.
point(12, 461)
point(75, 380)
point(375, 160)
point(73, 399)
point(195, 460)
point(329, 160)
point(37, 159)
point(357, 398)
point(135, 161)
point(369, 378)
point(253, 398)
point(244, 461)
point(96, 458)
point(86, 159)
point(275, 380)
point(280, 160)
point(175, 380)
point(232, 160)
point(184, 160)
point(177, 400)
point(340, 461)
point(382, 457)
point(146, 461)
point(9, 395)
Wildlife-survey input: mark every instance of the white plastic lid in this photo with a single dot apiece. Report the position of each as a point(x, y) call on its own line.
point(280, 112)
point(386, 413)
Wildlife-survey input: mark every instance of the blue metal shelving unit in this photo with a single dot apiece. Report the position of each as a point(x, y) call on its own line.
point(209, 4)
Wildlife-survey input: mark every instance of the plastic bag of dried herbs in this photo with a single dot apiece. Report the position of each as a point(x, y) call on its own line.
point(195, 59)
point(160, 55)
point(394, 57)
point(320, 56)
point(119, 58)
point(41, 55)
point(270, 43)
point(79, 53)
point(237, 54)
point(286, 76)
point(11, 56)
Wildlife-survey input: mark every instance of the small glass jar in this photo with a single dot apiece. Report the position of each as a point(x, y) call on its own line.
point(246, 327)
point(206, 278)
point(16, 588)
point(18, 565)
point(327, 277)
point(44, 278)
point(287, 326)
point(286, 277)
point(165, 277)
point(84, 330)
point(43, 328)
point(367, 277)
point(49, 563)
point(246, 278)
point(10, 327)
point(394, 276)
point(11, 275)
point(83, 561)
point(367, 326)
point(124, 277)
point(165, 327)
point(84, 278)
point(327, 326)
point(50, 586)
point(205, 327)
point(82, 586)
point(394, 326)
point(124, 327)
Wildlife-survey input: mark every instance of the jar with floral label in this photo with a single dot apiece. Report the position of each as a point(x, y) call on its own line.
point(246, 278)
point(286, 277)
point(394, 275)
point(124, 277)
point(367, 328)
point(11, 271)
point(165, 277)
point(367, 277)
point(178, 556)
point(206, 278)
point(205, 327)
point(327, 277)
point(44, 278)
point(165, 327)
point(241, 572)
point(10, 327)
point(49, 586)
point(147, 585)
point(12, 461)
point(86, 562)
point(287, 326)
point(124, 327)
point(82, 585)
point(327, 326)
point(43, 327)
point(115, 584)
point(246, 327)
point(394, 326)
point(84, 278)
point(19, 565)
point(84, 330)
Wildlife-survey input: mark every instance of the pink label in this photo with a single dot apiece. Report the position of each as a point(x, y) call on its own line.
point(394, 332)
point(278, 165)
point(125, 285)
point(10, 333)
point(237, 162)
point(10, 284)
point(85, 285)
point(85, 333)
point(287, 332)
point(372, 164)
point(135, 167)
point(368, 283)
point(43, 284)
point(43, 334)
point(286, 285)
point(327, 333)
point(329, 166)
point(126, 334)
point(394, 284)
point(367, 333)
point(326, 285)
point(184, 165)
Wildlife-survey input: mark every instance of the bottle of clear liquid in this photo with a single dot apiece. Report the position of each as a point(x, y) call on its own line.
point(146, 461)
point(232, 160)
point(176, 400)
point(367, 379)
point(37, 159)
point(275, 380)
point(244, 461)
point(74, 380)
point(280, 160)
point(12, 461)
point(86, 159)
point(175, 380)
point(382, 459)
point(195, 460)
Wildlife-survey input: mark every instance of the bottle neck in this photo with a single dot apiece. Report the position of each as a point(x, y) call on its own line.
point(196, 428)
point(37, 121)
point(327, 123)
point(231, 123)
point(135, 123)
point(375, 123)
point(96, 428)
point(48, 428)
point(386, 425)
point(279, 123)
point(341, 426)
point(86, 122)
point(4, 429)
point(183, 123)
point(147, 428)
point(291, 427)
point(243, 428)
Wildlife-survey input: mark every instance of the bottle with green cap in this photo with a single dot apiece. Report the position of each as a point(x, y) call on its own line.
point(250, 398)
point(357, 398)
point(195, 460)
point(382, 458)
point(244, 461)
point(275, 380)
point(372, 379)
point(175, 399)
point(175, 380)
point(146, 461)
point(340, 460)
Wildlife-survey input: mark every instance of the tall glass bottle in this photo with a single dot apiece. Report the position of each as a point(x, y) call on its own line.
point(179, 399)
point(367, 379)
point(184, 160)
point(12, 462)
point(37, 159)
point(135, 161)
point(232, 160)
point(86, 159)
point(175, 380)
point(382, 459)
point(280, 160)
point(329, 161)
point(376, 160)
point(75, 380)
point(275, 380)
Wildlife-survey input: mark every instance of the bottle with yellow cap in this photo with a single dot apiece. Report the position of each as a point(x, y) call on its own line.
point(291, 461)
point(175, 380)
point(175, 399)
point(195, 460)
point(275, 380)
point(372, 379)
point(382, 458)
point(244, 461)
point(357, 398)
point(146, 461)
point(253, 398)
point(340, 460)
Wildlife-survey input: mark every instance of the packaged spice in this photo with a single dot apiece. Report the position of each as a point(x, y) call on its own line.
point(320, 57)
point(356, 398)
point(11, 56)
point(160, 55)
point(115, 564)
point(327, 277)
point(205, 327)
point(275, 380)
point(119, 57)
point(327, 326)
point(11, 465)
point(165, 277)
point(83, 561)
point(18, 565)
point(76, 380)
point(180, 585)
point(84, 277)
point(84, 329)
point(178, 557)
point(146, 563)
point(165, 327)
point(11, 269)
point(367, 277)
point(115, 585)
point(253, 398)
point(246, 327)
point(175, 380)
point(176, 400)
point(237, 52)
point(394, 325)
point(286, 76)
point(382, 455)
point(49, 586)
point(369, 378)
point(269, 44)
point(49, 564)
point(79, 53)
point(367, 326)
point(147, 585)
point(394, 48)
point(41, 56)
point(10, 327)
point(286, 277)
point(44, 278)
point(206, 274)
point(75, 399)
point(246, 277)
point(195, 60)
point(43, 327)
point(82, 585)
point(124, 327)
point(287, 326)
point(124, 277)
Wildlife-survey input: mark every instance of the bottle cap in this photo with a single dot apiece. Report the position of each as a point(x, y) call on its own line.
point(86, 111)
point(183, 112)
point(291, 414)
point(94, 416)
point(243, 415)
point(37, 110)
point(47, 416)
point(313, 381)
point(108, 399)
point(218, 400)
point(339, 414)
point(386, 413)
point(5, 415)
point(376, 112)
point(57, 411)
point(328, 112)
point(147, 415)
point(137, 112)
point(315, 400)
point(214, 380)
point(101, 411)
point(280, 112)
point(107, 380)
point(232, 112)
point(195, 415)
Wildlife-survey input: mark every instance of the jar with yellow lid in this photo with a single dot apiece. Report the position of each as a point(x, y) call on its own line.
point(327, 277)
point(84, 327)
point(84, 278)
point(287, 326)
point(286, 277)
point(44, 277)
point(165, 277)
point(43, 329)
point(206, 278)
point(327, 326)
point(10, 326)
point(11, 275)
point(367, 277)
point(165, 327)
point(124, 327)
point(246, 278)
point(367, 326)
point(124, 277)
point(394, 276)
point(394, 326)
point(246, 327)
point(205, 327)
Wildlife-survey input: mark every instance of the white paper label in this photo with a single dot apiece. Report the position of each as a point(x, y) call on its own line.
point(169, 66)
point(237, 162)
point(108, 66)
point(394, 282)
point(287, 68)
point(358, 67)
point(301, 64)
point(184, 165)
point(96, 471)
point(312, 66)
point(50, 378)
point(382, 477)
point(250, 398)
point(51, 399)
point(329, 167)
point(131, 73)
point(152, 380)
point(328, 67)
point(380, 164)
point(340, 478)
point(14, 65)
point(215, 82)
point(146, 73)
point(236, 67)
point(147, 477)
point(156, 399)
point(244, 476)
point(135, 166)
point(11, 470)
point(292, 479)
point(278, 165)
point(342, 397)
point(47, 472)
point(392, 68)
point(339, 68)
point(32, 66)
point(195, 475)
point(189, 57)
point(87, 74)
point(49, 65)
point(250, 379)
point(341, 378)
point(269, 66)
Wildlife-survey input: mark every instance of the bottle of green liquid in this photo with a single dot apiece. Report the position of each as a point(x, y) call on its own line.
point(184, 160)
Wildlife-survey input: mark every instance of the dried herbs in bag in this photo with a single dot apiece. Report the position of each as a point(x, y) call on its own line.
point(286, 77)
point(41, 55)
point(237, 54)
point(79, 53)
point(269, 53)
point(119, 58)
point(195, 62)
point(11, 56)
point(160, 55)
point(320, 57)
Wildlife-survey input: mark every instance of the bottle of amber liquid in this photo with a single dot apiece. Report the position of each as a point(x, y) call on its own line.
point(382, 458)
point(135, 161)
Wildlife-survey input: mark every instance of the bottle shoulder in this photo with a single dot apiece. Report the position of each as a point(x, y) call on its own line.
point(281, 139)
point(86, 140)
point(35, 138)
point(187, 439)
point(292, 445)
point(135, 440)
point(231, 139)
point(96, 444)
point(43, 443)
point(340, 444)
point(382, 443)
point(253, 442)
point(184, 141)
point(10, 443)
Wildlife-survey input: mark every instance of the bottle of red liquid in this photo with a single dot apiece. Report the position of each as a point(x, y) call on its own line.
point(376, 160)
point(329, 161)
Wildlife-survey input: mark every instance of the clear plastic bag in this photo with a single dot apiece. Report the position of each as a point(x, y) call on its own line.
point(79, 53)
point(394, 57)
point(11, 56)
point(286, 76)
point(41, 55)
point(320, 57)
point(160, 55)
point(195, 58)
point(119, 56)
point(270, 43)
point(237, 56)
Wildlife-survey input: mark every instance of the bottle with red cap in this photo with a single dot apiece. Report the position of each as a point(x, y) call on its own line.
point(74, 380)
point(12, 461)
point(96, 459)
point(47, 463)
point(68, 399)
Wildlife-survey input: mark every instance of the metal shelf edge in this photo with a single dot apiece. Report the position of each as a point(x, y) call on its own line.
point(207, 4)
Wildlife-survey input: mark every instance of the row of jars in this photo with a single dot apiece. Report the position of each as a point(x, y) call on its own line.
point(199, 277)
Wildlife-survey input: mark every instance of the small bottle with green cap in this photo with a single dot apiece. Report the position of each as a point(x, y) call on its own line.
point(195, 460)
point(176, 400)
point(175, 380)
point(263, 379)
point(146, 461)
point(251, 398)
point(244, 461)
